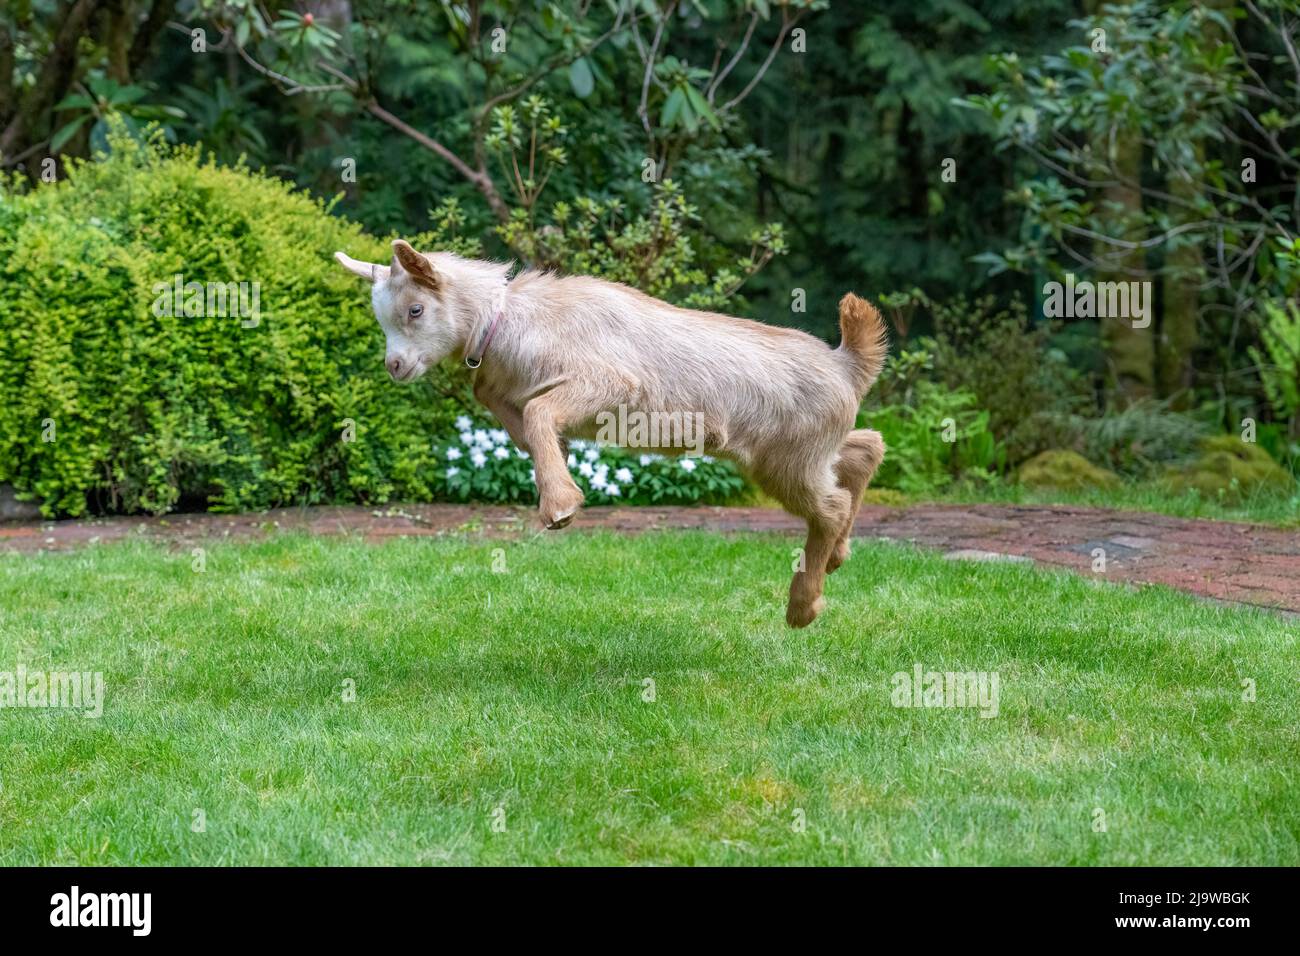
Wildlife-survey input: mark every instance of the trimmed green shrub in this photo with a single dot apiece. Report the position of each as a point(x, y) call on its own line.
point(113, 397)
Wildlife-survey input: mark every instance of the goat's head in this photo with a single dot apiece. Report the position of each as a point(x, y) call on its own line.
point(409, 301)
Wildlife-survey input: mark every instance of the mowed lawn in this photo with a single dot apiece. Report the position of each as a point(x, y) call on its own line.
point(501, 712)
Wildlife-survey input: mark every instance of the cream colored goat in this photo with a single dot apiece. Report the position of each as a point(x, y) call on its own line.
point(561, 351)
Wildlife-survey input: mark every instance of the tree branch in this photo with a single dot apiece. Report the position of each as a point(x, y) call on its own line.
point(787, 22)
point(554, 64)
point(480, 178)
point(712, 89)
point(642, 110)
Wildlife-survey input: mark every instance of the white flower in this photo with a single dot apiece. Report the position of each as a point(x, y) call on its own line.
point(602, 469)
point(532, 474)
point(573, 461)
point(452, 472)
point(709, 459)
point(501, 452)
point(646, 459)
point(688, 464)
point(578, 443)
point(499, 436)
point(591, 454)
point(523, 454)
point(463, 423)
point(478, 458)
point(482, 438)
point(598, 482)
point(586, 470)
point(613, 490)
point(453, 454)
point(624, 475)
point(466, 438)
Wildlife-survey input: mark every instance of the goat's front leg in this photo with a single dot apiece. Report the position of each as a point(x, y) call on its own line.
point(510, 417)
point(543, 419)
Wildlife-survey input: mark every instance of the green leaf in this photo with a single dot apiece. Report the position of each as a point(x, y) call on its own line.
point(581, 78)
point(75, 101)
point(124, 95)
point(701, 106)
point(672, 108)
point(59, 139)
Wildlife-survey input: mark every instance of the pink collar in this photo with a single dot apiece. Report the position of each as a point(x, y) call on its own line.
point(474, 358)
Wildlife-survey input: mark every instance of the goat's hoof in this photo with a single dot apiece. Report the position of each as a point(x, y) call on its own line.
point(799, 614)
point(838, 557)
point(558, 516)
point(560, 521)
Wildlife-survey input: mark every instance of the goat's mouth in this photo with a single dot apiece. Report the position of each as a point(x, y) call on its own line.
point(410, 373)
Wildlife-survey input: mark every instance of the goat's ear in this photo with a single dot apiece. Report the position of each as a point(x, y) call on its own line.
point(415, 265)
point(367, 270)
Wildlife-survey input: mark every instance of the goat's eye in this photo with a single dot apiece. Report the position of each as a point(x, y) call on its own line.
point(415, 310)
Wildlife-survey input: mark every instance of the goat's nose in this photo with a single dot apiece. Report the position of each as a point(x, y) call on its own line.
point(394, 366)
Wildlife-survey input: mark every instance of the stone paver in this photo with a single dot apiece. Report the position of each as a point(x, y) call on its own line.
point(1226, 561)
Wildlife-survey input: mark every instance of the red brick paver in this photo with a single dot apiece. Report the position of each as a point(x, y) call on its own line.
point(1243, 563)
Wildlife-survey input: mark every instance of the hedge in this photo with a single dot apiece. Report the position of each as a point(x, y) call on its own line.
point(110, 401)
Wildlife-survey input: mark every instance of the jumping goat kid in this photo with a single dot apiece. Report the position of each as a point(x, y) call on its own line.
point(553, 354)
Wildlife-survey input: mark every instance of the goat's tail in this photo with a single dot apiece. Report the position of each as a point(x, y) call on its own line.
point(863, 342)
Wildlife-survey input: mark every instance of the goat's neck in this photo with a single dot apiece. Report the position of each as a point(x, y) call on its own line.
point(474, 296)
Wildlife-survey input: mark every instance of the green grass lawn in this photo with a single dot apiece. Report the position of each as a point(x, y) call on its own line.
point(499, 717)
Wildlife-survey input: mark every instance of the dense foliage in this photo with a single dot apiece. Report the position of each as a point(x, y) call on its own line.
point(757, 157)
point(116, 395)
point(1163, 148)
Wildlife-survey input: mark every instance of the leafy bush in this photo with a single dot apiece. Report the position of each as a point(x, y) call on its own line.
point(1136, 439)
point(482, 464)
point(933, 435)
point(1280, 368)
point(651, 251)
point(111, 402)
point(650, 241)
point(1009, 365)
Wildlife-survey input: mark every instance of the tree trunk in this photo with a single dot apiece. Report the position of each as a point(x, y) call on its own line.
point(1184, 273)
point(1130, 351)
point(1181, 302)
point(56, 75)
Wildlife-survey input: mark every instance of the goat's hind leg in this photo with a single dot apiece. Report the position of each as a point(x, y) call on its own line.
point(860, 456)
point(816, 497)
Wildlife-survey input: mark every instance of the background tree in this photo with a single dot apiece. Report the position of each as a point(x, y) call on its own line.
point(1211, 94)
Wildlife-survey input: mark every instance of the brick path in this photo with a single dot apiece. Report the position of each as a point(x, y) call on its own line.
point(1225, 561)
